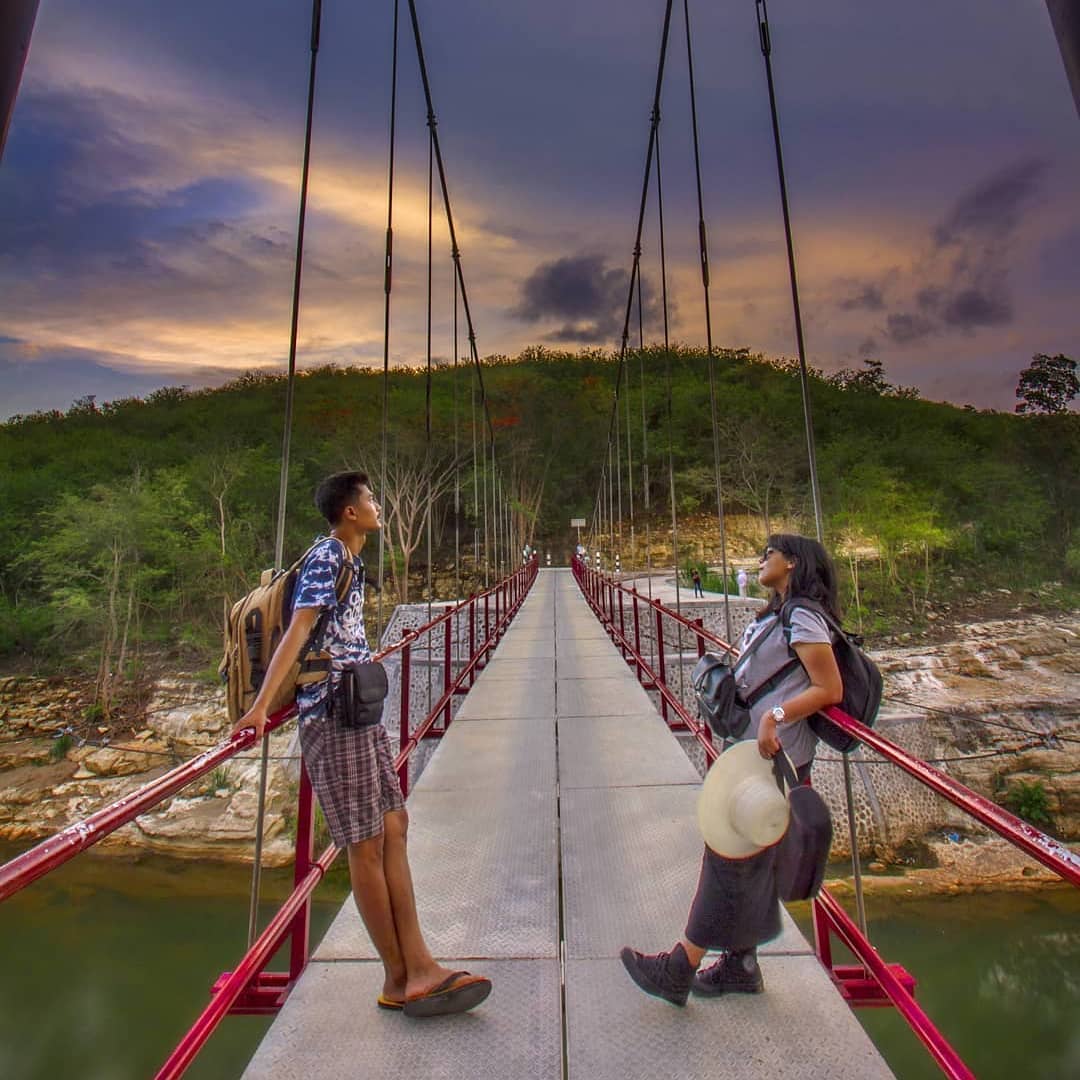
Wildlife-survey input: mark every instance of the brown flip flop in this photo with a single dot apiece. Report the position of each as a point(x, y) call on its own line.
point(457, 993)
point(389, 1003)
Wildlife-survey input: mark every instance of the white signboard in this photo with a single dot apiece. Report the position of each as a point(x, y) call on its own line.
point(577, 523)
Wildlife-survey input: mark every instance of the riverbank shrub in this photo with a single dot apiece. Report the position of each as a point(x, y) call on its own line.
point(1030, 802)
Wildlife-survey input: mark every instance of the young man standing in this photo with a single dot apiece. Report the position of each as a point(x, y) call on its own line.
point(351, 768)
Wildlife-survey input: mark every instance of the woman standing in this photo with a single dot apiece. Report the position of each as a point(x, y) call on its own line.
point(736, 906)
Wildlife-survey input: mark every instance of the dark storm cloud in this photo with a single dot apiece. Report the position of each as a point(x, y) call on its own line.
point(992, 210)
point(905, 328)
point(961, 283)
point(868, 298)
point(584, 294)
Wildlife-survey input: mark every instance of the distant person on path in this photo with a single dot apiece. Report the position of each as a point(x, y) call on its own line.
point(696, 578)
point(736, 906)
point(741, 580)
point(351, 768)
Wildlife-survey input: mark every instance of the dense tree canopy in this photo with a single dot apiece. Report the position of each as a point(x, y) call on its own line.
point(142, 520)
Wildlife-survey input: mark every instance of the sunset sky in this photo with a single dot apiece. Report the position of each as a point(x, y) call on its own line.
point(149, 189)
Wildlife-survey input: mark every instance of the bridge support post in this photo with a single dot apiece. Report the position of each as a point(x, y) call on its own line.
point(300, 931)
point(1065, 18)
point(472, 638)
point(637, 638)
point(403, 736)
point(448, 671)
point(661, 662)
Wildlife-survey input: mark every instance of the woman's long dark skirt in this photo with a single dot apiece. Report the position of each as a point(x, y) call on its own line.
point(736, 905)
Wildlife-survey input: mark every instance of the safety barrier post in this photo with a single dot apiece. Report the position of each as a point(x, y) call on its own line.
point(661, 663)
point(403, 738)
point(622, 625)
point(637, 638)
point(700, 624)
point(487, 625)
point(472, 638)
point(305, 838)
point(822, 942)
point(448, 673)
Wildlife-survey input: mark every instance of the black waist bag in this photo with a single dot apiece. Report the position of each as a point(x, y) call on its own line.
point(718, 703)
point(803, 850)
point(357, 701)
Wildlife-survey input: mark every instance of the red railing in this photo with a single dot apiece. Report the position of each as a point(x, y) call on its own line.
point(874, 982)
point(249, 988)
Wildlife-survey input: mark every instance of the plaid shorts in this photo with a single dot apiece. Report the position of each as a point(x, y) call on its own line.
point(352, 772)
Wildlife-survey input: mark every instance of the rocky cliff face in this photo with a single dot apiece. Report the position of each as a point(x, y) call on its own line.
point(1008, 691)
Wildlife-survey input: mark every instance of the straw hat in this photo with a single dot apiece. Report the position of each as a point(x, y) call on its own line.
point(741, 811)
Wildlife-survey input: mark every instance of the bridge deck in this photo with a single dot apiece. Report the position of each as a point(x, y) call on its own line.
point(555, 824)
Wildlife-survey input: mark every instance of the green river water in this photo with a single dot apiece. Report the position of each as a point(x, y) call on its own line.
point(106, 963)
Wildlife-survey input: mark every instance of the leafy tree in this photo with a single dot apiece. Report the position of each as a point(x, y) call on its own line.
point(870, 379)
point(1048, 385)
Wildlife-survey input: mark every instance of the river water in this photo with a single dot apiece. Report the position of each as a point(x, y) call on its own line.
point(106, 963)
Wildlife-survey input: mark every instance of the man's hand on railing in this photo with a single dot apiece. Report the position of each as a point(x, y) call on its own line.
point(255, 717)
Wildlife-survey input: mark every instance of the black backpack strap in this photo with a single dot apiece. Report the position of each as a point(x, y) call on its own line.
point(774, 679)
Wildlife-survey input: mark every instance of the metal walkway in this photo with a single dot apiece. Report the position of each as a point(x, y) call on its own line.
point(555, 824)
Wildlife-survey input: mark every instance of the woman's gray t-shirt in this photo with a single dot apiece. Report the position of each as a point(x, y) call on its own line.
point(807, 627)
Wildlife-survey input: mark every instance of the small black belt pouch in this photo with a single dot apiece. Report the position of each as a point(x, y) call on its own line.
point(358, 700)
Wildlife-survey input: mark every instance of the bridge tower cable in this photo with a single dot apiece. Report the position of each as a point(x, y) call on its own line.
point(711, 356)
point(644, 444)
point(456, 255)
point(635, 268)
point(388, 280)
point(765, 39)
point(804, 380)
point(283, 484)
point(429, 462)
point(669, 409)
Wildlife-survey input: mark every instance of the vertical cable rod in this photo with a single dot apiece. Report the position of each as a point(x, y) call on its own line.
point(283, 487)
point(703, 247)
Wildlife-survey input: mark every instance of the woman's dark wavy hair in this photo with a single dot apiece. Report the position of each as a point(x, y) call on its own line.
point(814, 575)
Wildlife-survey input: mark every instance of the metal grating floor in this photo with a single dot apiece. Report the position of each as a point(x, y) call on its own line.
point(564, 784)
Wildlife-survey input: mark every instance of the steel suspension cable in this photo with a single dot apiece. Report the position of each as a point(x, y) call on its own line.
point(388, 277)
point(283, 487)
point(670, 411)
point(804, 380)
point(636, 266)
point(765, 39)
point(428, 461)
point(644, 446)
point(711, 358)
point(457, 450)
point(454, 248)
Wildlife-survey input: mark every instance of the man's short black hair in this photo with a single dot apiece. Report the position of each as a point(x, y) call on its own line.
point(338, 491)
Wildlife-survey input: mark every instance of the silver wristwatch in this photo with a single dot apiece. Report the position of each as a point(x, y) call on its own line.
point(778, 714)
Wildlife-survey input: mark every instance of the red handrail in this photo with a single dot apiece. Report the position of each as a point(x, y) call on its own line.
point(293, 916)
point(829, 916)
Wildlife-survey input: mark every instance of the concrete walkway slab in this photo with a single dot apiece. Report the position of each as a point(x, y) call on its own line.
point(330, 1029)
point(548, 791)
point(485, 872)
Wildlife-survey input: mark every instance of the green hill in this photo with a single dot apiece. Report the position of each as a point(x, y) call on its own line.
point(140, 520)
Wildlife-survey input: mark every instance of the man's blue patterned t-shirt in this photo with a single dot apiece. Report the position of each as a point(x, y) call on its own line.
point(344, 638)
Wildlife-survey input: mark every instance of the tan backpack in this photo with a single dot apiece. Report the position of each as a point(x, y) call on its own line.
point(257, 622)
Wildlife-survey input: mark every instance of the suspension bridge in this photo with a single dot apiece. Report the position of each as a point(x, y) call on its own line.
point(554, 822)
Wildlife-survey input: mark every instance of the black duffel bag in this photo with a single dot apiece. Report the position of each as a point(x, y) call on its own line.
point(357, 700)
point(803, 850)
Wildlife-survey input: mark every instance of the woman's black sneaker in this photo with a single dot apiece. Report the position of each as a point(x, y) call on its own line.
point(733, 973)
point(664, 975)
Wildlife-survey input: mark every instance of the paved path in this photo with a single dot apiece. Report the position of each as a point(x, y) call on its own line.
point(555, 824)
